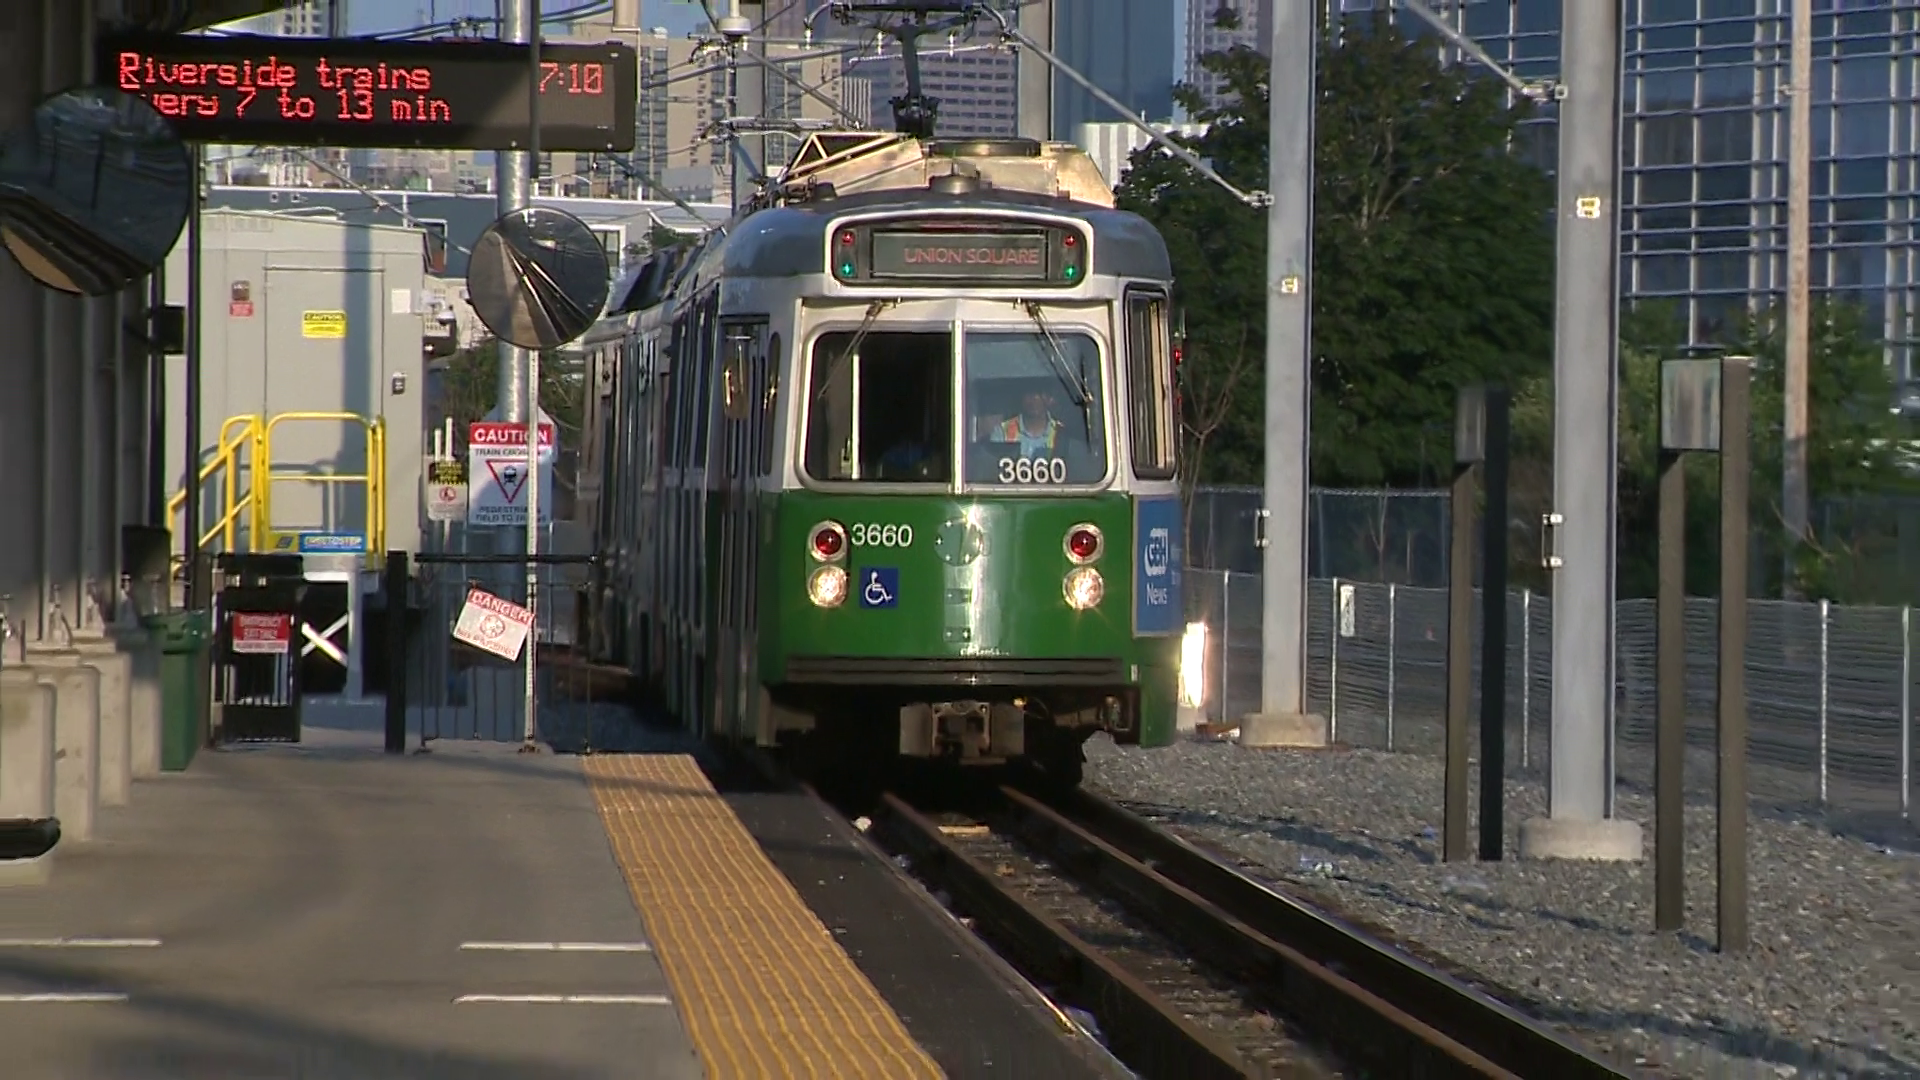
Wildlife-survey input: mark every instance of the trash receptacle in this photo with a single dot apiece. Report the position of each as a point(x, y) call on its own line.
point(185, 693)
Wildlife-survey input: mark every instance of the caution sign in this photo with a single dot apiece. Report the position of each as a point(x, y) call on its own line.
point(493, 625)
point(497, 463)
point(446, 491)
point(323, 324)
point(262, 633)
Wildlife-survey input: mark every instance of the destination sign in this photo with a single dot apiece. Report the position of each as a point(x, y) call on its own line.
point(1020, 256)
point(444, 95)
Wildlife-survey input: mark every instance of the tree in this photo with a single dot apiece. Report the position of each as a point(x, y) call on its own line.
point(1433, 249)
point(1854, 449)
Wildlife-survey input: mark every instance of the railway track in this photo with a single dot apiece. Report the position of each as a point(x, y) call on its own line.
point(1192, 969)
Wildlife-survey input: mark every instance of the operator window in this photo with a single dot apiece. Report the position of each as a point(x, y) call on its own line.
point(1034, 409)
point(880, 408)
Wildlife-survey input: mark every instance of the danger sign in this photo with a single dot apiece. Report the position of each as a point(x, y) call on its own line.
point(493, 625)
point(261, 633)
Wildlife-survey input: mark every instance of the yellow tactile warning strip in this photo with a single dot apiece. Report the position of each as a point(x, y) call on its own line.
point(764, 989)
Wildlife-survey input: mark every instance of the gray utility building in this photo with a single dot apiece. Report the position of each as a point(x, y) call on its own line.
point(312, 363)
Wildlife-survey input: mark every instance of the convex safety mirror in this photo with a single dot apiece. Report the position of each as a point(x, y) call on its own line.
point(94, 189)
point(538, 278)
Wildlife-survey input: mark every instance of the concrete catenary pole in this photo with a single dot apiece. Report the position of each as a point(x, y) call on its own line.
point(1283, 719)
point(1794, 493)
point(1578, 535)
point(511, 178)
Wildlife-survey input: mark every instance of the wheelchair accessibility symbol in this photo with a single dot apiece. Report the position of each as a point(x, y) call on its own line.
point(880, 587)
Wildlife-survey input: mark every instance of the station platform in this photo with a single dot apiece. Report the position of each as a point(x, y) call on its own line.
point(325, 910)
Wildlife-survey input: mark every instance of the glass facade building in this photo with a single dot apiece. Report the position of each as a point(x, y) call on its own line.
point(1704, 147)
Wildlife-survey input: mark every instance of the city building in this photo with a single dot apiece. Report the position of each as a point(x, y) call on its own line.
point(1124, 47)
point(1704, 149)
point(1254, 28)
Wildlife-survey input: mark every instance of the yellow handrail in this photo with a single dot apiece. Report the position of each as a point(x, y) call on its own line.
point(226, 456)
point(248, 440)
point(262, 534)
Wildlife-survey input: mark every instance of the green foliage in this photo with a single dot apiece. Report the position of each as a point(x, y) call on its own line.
point(1853, 450)
point(466, 388)
point(1433, 256)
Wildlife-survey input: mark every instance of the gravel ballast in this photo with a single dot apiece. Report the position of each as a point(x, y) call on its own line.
point(1830, 986)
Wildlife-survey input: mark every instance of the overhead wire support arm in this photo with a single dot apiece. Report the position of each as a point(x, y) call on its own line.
point(1538, 89)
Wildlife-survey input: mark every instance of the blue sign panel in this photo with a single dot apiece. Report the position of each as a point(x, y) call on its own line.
point(333, 544)
point(1158, 559)
point(879, 586)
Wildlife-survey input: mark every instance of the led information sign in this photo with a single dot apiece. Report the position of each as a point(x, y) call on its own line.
point(1020, 256)
point(445, 95)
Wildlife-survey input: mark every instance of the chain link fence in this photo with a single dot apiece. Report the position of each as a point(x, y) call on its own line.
point(1368, 534)
point(1830, 687)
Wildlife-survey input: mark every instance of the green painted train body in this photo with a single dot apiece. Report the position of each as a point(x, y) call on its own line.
point(960, 537)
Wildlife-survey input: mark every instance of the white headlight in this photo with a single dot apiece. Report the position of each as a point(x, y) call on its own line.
point(827, 587)
point(1084, 588)
point(1193, 665)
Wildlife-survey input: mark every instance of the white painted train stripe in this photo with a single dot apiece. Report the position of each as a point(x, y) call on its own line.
point(557, 946)
point(61, 999)
point(80, 943)
point(563, 999)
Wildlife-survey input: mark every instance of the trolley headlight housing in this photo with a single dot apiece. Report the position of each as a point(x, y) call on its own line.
point(827, 586)
point(1083, 588)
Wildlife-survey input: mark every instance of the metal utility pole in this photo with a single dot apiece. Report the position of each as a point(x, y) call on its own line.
point(1793, 460)
point(1578, 535)
point(531, 704)
point(511, 178)
point(1034, 90)
point(1283, 718)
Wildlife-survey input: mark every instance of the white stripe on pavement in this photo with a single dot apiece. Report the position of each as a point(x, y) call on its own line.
point(557, 946)
point(61, 999)
point(563, 999)
point(80, 943)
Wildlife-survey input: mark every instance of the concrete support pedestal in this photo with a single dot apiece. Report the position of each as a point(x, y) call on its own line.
point(1284, 729)
point(116, 707)
point(1606, 840)
point(143, 699)
point(76, 737)
point(26, 764)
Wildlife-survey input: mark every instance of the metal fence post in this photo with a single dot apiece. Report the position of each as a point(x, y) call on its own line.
point(1526, 678)
point(1906, 711)
point(1333, 669)
point(1824, 611)
point(1393, 637)
point(1226, 633)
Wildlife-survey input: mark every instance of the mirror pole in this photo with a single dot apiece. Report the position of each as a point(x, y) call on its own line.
point(534, 450)
point(190, 389)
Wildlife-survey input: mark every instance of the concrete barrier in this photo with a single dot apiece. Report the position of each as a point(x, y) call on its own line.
point(76, 737)
point(143, 699)
point(116, 707)
point(26, 764)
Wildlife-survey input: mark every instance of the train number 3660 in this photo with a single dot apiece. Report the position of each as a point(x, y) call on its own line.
point(885, 536)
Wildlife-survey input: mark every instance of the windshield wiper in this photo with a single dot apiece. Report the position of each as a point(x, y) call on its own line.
point(1077, 384)
point(853, 346)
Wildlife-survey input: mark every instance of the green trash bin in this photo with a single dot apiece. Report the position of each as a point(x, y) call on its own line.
point(185, 690)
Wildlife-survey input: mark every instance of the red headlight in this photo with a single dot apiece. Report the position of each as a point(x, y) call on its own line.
point(1083, 543)
point(828, 540)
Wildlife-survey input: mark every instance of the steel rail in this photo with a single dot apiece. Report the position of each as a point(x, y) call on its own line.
point(1145, 1032)
point(1407, 995)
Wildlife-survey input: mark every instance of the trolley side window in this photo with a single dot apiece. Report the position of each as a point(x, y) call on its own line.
point(879, 410)
point(1150, 385)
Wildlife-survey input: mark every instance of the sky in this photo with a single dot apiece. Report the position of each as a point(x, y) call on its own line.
point(678, 16)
